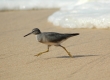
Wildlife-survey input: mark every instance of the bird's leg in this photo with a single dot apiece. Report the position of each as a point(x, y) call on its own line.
point(66, 50)
point(43, 52)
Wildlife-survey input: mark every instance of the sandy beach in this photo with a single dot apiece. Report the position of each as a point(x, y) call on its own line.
point(90, 50)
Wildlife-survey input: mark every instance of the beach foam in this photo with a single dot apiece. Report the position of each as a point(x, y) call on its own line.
point(91, 14)
point(72, 13)
point(33, 4)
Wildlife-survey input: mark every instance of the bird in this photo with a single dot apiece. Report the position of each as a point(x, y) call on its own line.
point(51, 38)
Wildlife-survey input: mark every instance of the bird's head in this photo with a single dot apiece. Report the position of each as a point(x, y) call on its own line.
point(35, 31)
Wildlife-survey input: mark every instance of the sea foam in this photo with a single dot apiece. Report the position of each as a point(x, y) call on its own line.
point(91, 14)
point(72, 13)
point(33, 4)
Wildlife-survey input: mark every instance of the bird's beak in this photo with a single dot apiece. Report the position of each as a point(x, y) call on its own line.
point(28, 34)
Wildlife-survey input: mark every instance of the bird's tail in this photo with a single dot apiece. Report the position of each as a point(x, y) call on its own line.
point(71, 35)
point(74, 34)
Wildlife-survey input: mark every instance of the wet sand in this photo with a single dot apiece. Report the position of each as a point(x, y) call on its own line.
point(90, 50)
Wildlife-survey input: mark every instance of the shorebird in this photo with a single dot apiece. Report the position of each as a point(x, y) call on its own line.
point(51, 38)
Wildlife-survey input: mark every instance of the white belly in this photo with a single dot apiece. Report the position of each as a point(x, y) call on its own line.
point(50, 43)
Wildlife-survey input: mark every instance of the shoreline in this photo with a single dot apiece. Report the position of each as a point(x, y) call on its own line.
point(30, 9)
point(90, 50)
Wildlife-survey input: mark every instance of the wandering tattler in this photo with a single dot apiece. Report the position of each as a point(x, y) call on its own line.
point(51, 38)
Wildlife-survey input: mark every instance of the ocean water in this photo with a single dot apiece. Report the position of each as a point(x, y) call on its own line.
point(72, 13)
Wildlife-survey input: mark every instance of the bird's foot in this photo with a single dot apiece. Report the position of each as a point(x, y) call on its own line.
point(36, 55)
point(70, 55)
point(41, 53)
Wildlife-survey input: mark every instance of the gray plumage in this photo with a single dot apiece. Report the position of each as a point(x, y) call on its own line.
point(51, 38)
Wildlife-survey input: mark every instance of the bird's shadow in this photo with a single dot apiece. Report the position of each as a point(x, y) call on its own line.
point(76, 56)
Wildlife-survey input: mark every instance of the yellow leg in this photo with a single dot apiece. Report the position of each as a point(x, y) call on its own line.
point(43, 52)
point(66, 51)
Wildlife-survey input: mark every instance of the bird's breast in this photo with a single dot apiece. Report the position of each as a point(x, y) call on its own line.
point(40, 38)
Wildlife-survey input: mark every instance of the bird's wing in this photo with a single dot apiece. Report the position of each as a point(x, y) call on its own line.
point(54, 37)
